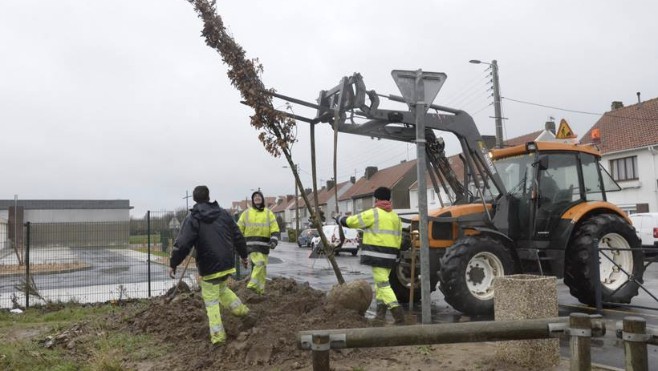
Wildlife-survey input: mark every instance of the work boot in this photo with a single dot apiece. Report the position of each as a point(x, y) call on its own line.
point(380, 317)
point(398, 315)
point(248, 321)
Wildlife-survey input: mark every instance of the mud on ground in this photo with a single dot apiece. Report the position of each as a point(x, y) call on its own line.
point(271, 344)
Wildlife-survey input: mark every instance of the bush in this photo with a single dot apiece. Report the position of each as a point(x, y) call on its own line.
point(292, 235)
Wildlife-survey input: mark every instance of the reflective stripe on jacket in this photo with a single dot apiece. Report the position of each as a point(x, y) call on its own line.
point(382, 236)
point(258, 227)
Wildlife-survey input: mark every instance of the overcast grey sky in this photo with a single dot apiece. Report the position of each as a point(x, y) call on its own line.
point(122, 99)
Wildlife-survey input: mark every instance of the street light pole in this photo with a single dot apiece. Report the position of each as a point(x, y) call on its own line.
point(496, 94)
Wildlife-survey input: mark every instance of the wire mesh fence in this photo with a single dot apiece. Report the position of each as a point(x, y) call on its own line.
point(88, 262)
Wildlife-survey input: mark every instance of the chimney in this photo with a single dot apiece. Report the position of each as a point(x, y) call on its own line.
point(330, 184)
point(638, 97)
point(308, 191)
point(550, 126)
point(352, 179)
point(616, 105)
point(370, 171)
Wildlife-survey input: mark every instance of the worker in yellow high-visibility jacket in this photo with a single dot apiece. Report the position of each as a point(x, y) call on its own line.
point(261, 232)
point(382, 237)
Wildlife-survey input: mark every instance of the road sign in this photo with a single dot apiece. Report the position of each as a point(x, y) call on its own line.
point(431, 83)
point(564, 131)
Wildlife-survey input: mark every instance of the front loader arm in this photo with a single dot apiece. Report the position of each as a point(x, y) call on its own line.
point(350, 96)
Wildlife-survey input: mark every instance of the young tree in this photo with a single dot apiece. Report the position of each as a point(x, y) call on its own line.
point(276, 131)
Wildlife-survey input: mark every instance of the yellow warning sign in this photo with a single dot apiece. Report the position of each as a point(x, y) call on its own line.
point(564, 131)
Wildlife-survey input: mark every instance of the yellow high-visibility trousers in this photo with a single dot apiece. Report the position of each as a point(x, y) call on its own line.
point(214, 294)
point(258, 272)
point(383, 292)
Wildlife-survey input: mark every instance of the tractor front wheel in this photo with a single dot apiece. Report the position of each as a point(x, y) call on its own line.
point(620, 261)
point(468, 270)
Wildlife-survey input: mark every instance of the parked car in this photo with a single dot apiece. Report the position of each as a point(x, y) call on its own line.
point(305, 237)
point(646, 226)
point(351, 244)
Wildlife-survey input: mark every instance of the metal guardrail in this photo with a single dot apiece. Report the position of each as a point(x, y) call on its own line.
point(578, 326)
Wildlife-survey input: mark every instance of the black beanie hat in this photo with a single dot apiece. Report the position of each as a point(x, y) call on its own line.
point(383, 193)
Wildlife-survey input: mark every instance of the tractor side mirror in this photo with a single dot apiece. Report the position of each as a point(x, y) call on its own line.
point(542, 162)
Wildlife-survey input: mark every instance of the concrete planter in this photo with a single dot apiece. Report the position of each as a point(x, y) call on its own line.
point(525, 296)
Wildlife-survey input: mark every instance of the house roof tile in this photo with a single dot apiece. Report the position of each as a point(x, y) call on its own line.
point(388, 177)
point(626, 128)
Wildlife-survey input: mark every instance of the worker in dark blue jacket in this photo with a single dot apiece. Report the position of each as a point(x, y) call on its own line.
point(213, 232)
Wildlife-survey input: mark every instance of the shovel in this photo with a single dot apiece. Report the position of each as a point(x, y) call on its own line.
point(170, 296)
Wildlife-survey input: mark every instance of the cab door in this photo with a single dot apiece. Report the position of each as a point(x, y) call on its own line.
point(557, 189)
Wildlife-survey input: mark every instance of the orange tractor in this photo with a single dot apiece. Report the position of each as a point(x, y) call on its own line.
point(534, 208)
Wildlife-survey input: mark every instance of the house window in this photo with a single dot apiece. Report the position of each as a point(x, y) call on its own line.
point(624, 168)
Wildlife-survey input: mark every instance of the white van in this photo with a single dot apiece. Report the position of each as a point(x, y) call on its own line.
point(646, 225)
point(352, 239)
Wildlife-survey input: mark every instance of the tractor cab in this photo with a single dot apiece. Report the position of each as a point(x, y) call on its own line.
point(545, 180)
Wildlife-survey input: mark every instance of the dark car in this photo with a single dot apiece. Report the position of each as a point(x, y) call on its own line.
point(304, 239)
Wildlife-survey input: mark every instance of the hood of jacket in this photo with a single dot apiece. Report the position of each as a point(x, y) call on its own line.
point(261, 205)
point(206, 212)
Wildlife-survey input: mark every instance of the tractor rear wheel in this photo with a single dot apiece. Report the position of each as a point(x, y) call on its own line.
point(468, 270)
point(620, 260)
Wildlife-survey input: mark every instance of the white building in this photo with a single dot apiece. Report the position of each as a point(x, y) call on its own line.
point(628, 140)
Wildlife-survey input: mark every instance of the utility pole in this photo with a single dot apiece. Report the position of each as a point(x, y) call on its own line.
point(187, 202)
point(497, 110)
point(496, 95)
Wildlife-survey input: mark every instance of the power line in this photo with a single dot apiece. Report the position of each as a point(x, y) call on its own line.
point(582, 112)
point(552, 107)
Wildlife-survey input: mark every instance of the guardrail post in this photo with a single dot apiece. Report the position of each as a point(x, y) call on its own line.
point(580, 330)
point(320, 346)
point(635, 343)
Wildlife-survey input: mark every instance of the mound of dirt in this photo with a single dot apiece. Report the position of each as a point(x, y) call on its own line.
point(286, 308)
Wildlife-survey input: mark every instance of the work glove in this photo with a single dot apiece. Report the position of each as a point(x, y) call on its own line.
point(273, 242)
point(338, 218)
point(172, 272)
point(245, 262)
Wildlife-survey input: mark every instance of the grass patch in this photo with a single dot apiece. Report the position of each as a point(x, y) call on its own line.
point(143, 239)
point(11, 269)
point(94, 344)
point(156, 252)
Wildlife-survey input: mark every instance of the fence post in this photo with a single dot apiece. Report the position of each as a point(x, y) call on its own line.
point(635, 346)
point(595, 260)
point(320, 346)
point(238, 262)
point(27, 266)
point(148, 251)
point(580, 329)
